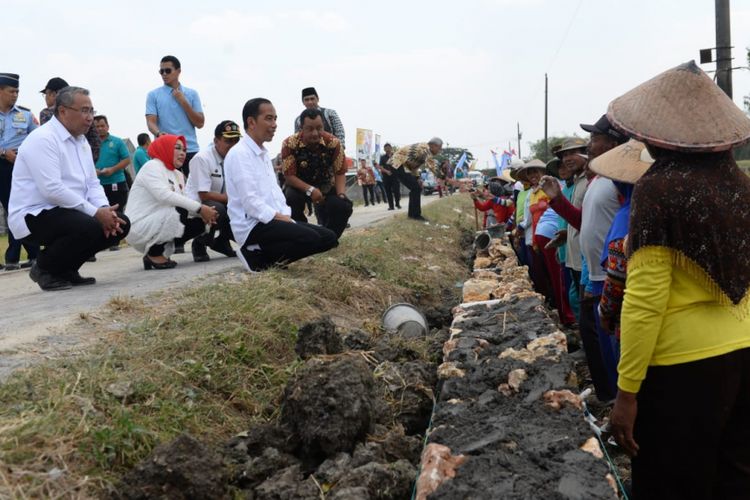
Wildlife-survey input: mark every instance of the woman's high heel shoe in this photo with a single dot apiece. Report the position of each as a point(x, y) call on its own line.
point(150, 264)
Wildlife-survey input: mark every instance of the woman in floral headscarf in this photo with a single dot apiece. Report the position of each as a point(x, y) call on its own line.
point(158, 208)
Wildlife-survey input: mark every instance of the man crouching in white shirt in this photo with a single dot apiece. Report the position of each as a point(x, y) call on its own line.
point(56, 199)
point(258, 212)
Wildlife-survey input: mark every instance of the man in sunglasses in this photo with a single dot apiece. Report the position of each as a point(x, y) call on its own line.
point(174, 109)
point(207, 185)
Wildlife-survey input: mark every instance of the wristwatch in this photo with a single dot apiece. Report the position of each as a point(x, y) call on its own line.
point(309, 191)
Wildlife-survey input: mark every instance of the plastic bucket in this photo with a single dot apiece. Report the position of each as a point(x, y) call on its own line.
point(405, 317)
point(482, 241)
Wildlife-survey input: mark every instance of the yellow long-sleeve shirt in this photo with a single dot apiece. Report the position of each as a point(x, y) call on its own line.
point(670, 317)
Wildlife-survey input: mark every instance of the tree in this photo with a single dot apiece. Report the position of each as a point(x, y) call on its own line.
point(453, 155)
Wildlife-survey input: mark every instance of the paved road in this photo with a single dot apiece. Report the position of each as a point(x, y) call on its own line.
point(28, 313)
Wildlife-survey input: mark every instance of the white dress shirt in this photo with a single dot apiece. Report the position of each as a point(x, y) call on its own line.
point(53, 169)
point(206, 174)
point(254, 194)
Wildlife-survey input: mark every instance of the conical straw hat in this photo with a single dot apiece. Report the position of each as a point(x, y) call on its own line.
point(626, 163)
point(681, 109)
point(523, 170)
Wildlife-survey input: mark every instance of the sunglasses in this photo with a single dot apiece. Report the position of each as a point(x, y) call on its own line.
point(165, 71)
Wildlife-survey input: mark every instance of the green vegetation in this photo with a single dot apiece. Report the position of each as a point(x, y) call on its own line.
point(208, 360)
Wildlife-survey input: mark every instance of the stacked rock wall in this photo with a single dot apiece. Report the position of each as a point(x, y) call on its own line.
point(507, 421)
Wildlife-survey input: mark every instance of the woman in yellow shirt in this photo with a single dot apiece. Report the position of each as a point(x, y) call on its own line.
point(683, 405)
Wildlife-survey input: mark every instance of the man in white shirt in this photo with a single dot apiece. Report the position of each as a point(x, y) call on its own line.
point(258, 212)
point(206, 185)
point(57, 200)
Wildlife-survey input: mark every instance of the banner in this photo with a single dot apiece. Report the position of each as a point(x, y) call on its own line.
point(364, 143)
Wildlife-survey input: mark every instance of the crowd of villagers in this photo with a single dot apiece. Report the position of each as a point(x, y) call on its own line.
point(639, 236)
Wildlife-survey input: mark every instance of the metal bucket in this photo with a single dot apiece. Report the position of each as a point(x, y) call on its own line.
point(406, 319)
point(482, 241)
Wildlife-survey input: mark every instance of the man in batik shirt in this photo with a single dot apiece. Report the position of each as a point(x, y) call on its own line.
point(407, 161)
point(312, 161)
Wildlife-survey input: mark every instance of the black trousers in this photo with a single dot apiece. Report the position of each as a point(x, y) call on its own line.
point(415, 192)
point(194, 226)
point(333, 212)
point(117, 195)
point(693, 430)
point(284, 242)
point(69, 237)
point(368, 189)
point(13, 252)
point(392, 189)
point(222, 222)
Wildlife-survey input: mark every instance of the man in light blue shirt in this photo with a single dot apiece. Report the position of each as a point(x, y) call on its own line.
point(16, 122)
point(174, 109)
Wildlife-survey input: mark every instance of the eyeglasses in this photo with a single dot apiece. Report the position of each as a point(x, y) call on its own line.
point(83, 111)
point(165, 71)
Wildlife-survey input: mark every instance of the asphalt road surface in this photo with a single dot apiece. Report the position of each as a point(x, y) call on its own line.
point(30, 315)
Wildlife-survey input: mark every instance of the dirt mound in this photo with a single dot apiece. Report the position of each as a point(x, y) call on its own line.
point(329, 405)
point(182, 469)
point(318, 337)
point(408, 388)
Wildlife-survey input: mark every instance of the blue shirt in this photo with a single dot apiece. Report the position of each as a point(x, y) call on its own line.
point(378, 175)
point(170, 117)
point(113, 152)
point(548, 224)
point(140, 158)
point(15, 125)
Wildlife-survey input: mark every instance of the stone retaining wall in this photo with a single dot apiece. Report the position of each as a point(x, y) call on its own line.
point(507, 422)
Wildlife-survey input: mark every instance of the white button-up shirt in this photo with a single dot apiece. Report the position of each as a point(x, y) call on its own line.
point(53, 169)
point(206, 174)
point(253, 191)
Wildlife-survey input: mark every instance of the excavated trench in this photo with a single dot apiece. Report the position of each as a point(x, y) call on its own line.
point(486, 385)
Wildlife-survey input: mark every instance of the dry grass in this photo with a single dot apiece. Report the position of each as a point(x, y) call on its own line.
point(209, 360)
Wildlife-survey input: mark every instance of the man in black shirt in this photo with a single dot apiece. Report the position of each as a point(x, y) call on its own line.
point(390, 180)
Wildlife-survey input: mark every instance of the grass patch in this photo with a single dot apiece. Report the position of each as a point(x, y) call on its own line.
point(208, 360)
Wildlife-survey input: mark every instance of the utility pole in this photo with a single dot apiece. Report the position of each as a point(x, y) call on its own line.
point(518, 128)
point(546, 145)
point(723, 47)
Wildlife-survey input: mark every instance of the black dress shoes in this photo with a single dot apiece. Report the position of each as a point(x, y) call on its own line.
point(149, 264)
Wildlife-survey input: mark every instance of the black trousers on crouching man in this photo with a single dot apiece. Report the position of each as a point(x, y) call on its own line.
point(284, 242)
point(70, 237)
point(333, 212)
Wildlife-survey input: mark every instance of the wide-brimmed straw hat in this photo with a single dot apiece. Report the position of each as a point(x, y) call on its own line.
point(625, 163)
point(523, 170)
point(507, 176)
point(681, 109)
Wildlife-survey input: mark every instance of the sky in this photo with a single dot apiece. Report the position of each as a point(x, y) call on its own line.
point(466, 71)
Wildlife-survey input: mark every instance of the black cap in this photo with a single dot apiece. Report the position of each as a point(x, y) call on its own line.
point(55, 84)
point(602, 126)
point(309, 91)
point(227, 129)
point(9, 80)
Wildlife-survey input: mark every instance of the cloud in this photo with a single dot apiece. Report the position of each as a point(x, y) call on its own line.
point(230, 26)
point(325, 21)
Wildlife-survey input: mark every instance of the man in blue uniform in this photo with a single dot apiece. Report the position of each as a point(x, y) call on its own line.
point(16, 122)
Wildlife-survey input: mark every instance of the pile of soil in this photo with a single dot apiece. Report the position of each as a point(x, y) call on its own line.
point(351, 426)
point(502, 358)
